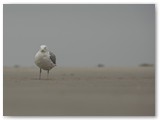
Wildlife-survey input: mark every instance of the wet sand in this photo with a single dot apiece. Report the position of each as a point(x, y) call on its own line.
point(79, 92)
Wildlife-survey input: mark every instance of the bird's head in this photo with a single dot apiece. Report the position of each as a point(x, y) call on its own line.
point(43, 48)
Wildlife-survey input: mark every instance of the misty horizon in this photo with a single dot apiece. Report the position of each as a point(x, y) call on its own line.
point(80, 35)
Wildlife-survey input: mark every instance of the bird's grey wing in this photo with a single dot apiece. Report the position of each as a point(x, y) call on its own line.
point(52, 57)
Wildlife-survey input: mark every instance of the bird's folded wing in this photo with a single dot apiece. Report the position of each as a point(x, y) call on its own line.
point(52, 57)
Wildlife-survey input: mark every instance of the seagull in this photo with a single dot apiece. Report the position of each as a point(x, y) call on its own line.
point(45, 60)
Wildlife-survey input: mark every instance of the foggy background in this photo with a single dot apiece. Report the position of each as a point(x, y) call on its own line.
point(80, 35)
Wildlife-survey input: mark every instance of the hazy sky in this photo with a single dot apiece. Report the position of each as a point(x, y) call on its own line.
point(80, 35)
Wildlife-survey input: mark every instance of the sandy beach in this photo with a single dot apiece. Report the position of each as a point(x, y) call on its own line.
point(79, 92)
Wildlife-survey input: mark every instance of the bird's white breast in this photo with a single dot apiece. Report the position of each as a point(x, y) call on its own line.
point(42, 60)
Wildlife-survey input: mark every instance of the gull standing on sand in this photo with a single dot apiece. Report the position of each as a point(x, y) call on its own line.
point(45, 60)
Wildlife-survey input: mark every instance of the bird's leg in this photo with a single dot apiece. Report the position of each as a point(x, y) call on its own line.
point(40, 74)
point(47, 74)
